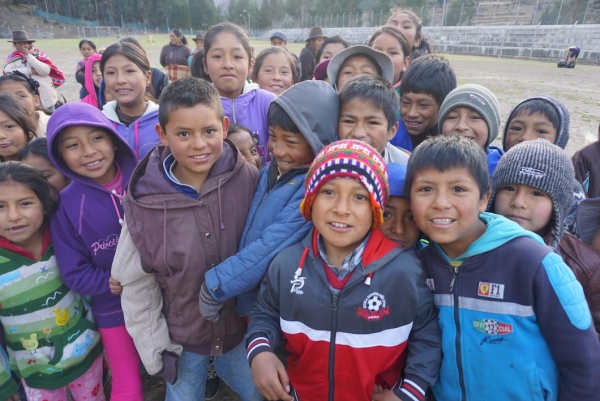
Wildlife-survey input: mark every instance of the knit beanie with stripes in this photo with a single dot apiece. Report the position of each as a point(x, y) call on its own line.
point(348, 158)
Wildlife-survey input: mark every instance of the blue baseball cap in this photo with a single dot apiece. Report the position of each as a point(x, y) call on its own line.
point(396, 179)
point(278, 35)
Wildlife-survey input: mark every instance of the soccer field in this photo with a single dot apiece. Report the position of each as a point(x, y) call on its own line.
point(510, 79)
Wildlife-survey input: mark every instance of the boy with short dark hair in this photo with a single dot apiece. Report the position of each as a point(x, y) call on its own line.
point(529, 317)
point(368, 108)
point(425, 84)
point(352, 319)
point(398, 223)
point(179, 221)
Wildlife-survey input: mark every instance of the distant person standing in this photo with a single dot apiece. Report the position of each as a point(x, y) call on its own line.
point(308, 55)
point(278, 39)
point(195, 61)
point(174, 56)
point(36, 65)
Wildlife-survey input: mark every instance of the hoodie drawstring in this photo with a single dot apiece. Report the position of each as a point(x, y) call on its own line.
point(136, 130)
point(301, 264)
point(114, 196)
point(165, 239)
point(220, 206)
point(81, 207)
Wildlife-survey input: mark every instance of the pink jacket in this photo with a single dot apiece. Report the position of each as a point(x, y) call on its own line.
point(91, 97)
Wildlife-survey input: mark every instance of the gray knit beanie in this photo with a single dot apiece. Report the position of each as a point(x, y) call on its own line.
point(541, 165)
point(562, 131)
point(478, 98)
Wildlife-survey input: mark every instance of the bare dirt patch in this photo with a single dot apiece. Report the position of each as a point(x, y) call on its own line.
point(510, 79)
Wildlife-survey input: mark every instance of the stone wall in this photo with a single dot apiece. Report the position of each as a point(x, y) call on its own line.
point(547, 42)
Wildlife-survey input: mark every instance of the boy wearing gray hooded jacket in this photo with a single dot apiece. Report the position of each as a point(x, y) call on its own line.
point(302, 120)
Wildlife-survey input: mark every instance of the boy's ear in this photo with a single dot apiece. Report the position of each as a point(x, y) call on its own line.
point(392, 131)
point(483, 203)
point(148, 78)
point(162, 135)
point(225, 126)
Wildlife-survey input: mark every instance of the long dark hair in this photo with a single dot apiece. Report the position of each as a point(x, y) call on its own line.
point(180, 35)
point(33, 179)
point(15, 111)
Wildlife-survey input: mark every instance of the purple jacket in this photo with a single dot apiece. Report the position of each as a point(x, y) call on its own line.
point(250, 110)
point(141, 134)
point(85, 228)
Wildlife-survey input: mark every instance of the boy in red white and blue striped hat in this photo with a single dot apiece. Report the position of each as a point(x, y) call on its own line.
point(357, 319)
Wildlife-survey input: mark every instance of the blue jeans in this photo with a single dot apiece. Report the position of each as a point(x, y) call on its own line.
point(231, 367)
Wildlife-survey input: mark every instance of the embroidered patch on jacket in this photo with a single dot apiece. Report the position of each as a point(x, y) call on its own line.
point(490, 290)
point(430, 284)
point(373, 307)
point(492, 326)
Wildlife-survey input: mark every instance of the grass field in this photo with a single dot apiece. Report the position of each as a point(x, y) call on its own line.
point(510, 79)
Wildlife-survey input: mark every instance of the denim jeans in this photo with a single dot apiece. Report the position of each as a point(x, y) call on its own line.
point(231, 367)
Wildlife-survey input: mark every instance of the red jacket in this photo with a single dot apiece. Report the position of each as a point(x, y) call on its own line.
point(380, 327)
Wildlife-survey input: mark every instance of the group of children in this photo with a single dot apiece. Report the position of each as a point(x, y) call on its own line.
point(229, 224)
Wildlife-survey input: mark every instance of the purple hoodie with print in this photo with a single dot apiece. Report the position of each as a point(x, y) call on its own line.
point(250, 110)
point(86, 228)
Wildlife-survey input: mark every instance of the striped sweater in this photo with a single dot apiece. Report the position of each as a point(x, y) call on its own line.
point(49, 334)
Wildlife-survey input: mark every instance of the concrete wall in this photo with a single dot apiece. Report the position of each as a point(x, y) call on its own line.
point(521, 41)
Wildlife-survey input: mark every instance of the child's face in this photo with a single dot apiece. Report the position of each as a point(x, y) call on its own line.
point(276, 42)
point(353, 66)
point(51, 174)
point(195, 137)
point(125, 81)
point(199, 45)
point(290, 150)
point(446, 206)
point(403, 22)
point(465, 121)
point(419, 112)
point(86, 50)
point(96, 74)
point(316, 43)
point(89, 152)
point(525, 205)
point(529, 126)
point(275, 74)
point(398, 224)
point(246, 145)
point(21, 95)
point(227, 63)
point(12, 137)
point(362, 120)
point(330, 51)
point(341, 212)
point(389, 45)
point(21, 214)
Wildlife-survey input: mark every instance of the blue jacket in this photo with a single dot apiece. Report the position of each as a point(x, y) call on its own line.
point(494, 154)
point(522, 329)
point(273, 224)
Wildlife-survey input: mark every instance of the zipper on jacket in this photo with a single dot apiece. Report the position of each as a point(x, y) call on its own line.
point(334, 311)
point(461, 377)
point(233, 109)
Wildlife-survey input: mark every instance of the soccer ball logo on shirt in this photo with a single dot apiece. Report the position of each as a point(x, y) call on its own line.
point(373, 307)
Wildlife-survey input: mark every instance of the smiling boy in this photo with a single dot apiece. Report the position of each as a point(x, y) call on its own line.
point(368, 113)
point(426, 83)
point(348, 314)
point(184, 189)
point(529, 317)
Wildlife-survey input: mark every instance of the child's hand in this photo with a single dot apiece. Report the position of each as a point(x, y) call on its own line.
point(14, 397)
point(115, 286)
point(270, 377)
point(385, 395)
point(210, 309)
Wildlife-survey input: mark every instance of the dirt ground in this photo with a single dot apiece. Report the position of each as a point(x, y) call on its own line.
point(511, 80)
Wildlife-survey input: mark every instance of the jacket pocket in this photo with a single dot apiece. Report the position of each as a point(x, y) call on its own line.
point(539, 386)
